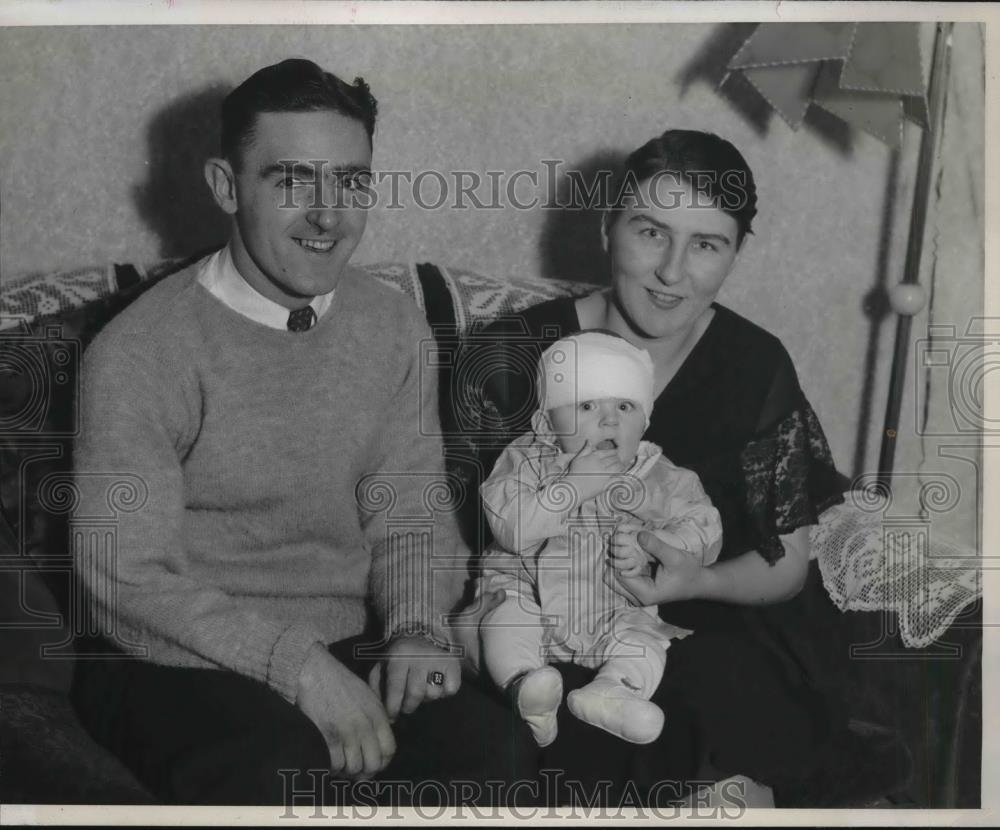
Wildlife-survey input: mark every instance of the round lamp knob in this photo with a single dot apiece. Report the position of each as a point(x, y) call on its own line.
point(907, 298)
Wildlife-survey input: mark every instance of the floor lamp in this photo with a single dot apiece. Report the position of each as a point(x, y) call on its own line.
point(909, 297)
point(869, 75)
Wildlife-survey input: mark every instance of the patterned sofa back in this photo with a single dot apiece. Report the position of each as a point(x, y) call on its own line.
point(101, 291)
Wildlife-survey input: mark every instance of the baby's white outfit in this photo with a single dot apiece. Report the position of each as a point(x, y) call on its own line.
point(554, 566)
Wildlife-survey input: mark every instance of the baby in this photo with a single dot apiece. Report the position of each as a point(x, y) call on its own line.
point(565, 502)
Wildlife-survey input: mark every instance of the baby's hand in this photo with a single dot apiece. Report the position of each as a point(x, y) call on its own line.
point(593, 470)
point(627, 558)
point(597, 462)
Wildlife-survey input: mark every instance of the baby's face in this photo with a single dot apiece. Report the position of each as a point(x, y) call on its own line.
point(607, 423)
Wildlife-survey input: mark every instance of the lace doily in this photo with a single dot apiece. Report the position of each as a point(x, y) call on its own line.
point(870, 562)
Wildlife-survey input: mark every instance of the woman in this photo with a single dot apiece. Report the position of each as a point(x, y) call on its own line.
point(747, 694)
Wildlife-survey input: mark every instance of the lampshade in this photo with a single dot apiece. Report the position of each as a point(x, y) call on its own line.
point(867, 74)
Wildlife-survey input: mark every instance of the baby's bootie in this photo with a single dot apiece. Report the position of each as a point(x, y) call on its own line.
point(612, 706)
point(538, 695)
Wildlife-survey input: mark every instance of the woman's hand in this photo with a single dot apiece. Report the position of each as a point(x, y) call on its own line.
point(747, 579)
point(680, 576)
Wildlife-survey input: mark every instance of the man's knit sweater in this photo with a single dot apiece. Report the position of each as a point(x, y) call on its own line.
point(277, 466)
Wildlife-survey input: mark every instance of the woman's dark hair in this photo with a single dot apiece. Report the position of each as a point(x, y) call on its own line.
point(711, 165)
point(294, 85)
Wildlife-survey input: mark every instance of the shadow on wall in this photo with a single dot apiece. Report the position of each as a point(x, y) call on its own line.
point(175, 201)
point(571, 236)
point(571, 242)
point(875, 306)
point(709, 66)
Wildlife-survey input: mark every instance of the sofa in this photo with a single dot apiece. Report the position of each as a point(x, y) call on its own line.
point(930, 698)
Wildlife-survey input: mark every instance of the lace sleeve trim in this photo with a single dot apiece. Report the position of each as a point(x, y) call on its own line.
point(780, 469)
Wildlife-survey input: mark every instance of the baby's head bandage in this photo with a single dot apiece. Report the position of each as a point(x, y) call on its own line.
point(592, 365)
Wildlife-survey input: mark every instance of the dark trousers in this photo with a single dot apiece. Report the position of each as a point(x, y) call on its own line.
point(724, 716)
point(202, 736)
point(752, 692)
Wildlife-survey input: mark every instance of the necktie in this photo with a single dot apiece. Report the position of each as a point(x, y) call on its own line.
point(302, 319)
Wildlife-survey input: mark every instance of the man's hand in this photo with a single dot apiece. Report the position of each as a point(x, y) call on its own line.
point(349, 715)
point(591, 471)
point(407, 673)
point(627, 558)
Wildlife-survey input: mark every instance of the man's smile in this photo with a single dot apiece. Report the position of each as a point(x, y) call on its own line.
point(321, 246)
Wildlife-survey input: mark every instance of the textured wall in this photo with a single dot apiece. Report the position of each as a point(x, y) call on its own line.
point(104, 130)
point(952, 358)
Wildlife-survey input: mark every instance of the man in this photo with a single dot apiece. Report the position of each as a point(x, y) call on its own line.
point(267, 404)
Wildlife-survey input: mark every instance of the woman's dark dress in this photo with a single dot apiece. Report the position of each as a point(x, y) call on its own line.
point(749, 693)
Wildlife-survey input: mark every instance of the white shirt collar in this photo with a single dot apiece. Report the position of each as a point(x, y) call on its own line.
point(220, 276)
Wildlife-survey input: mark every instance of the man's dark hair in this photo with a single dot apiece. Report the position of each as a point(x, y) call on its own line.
point(294, 85)
point(711, 165)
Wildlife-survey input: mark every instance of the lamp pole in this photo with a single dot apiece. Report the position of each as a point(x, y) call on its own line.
point(908, 298)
